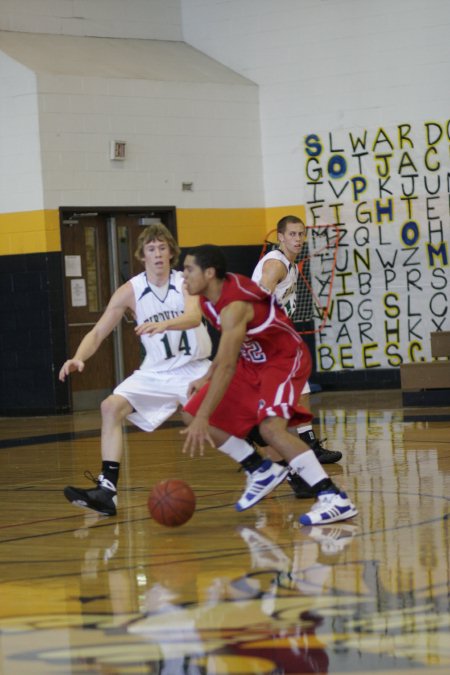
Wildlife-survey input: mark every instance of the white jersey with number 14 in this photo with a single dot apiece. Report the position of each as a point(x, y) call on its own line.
point(174, 348)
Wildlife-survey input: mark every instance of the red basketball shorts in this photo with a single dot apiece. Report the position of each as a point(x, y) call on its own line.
point(272, 389)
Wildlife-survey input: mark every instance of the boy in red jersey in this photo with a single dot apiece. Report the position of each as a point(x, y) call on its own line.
point(256, 377)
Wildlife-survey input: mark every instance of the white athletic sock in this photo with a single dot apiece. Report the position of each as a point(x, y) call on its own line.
point(237, 448)
point(308, 467)
point(303, 429)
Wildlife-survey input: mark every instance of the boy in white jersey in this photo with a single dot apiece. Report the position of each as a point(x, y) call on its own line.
point(277, 273)
point(173, 359)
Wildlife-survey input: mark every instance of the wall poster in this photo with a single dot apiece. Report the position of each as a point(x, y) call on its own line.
point(388, 189)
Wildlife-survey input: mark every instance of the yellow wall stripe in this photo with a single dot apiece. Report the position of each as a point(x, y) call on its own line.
point(38, 231)
point(223, 227)
point(29, 232)
point(230, 227)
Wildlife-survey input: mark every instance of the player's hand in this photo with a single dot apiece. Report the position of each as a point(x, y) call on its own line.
point(70, 366)
point(150, 328)
point(197, 433)
point(196, 385)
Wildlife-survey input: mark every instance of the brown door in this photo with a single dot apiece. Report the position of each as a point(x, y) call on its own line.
point(98, 254)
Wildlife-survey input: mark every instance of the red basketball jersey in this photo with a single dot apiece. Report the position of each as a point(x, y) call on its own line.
point(270, 334)
point(273, 367)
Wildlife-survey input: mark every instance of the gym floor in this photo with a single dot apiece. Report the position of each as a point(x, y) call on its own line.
point(228, 593)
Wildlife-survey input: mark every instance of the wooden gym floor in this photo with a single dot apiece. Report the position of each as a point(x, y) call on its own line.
point(228, 593)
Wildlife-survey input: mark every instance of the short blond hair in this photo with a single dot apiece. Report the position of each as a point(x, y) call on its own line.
point(157, 232)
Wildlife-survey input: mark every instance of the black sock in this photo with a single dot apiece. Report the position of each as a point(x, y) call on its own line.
point(292, 472)
point(255, 437)
point(252, 462)
point(110, 471)
point(308, 437)
point(325, 485)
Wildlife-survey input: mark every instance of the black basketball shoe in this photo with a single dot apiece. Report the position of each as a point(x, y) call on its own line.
point(300, 487)
point(323, 455)
point(102, 498)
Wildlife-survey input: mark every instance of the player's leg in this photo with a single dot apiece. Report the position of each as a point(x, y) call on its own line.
point(236, 448)
point(103, 497)
point(114, 410)
point(229, 424)
point(306, 433)
point(279, 386)
point(299, 487)
point(272, 384)
point(262, 474)
point(332, 504)
point(147, 399)
point(308, 436)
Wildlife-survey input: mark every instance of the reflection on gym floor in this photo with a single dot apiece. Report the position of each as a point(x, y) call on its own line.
point(228, 593)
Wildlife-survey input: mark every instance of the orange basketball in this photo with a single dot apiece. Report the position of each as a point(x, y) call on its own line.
point(171, 502)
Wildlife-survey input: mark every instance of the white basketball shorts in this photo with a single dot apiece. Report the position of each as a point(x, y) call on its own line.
point(156, 396)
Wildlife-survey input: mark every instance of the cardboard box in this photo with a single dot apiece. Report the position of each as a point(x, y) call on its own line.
point(440, 343)
point(433, 375)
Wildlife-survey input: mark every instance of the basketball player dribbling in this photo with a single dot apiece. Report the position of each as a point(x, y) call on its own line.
point(256, 377)
point(173, 358)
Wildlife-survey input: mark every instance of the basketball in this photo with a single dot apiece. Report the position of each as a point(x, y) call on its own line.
point(171, 502)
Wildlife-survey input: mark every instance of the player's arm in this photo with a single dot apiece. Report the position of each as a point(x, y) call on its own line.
point(234, 320)
point(120, 301)
point(273, 272)
point(191, 317)
point(233, 329)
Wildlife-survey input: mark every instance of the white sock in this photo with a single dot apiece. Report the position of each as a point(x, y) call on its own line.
point(304, 428)
point(237, 448)
point(308, 467)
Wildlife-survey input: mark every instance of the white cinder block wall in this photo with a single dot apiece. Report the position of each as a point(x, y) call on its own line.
point(205, 134)
point(185, 118)
point(144, 19)
point(20, 157)
point(325, 65)
point(355, 125)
